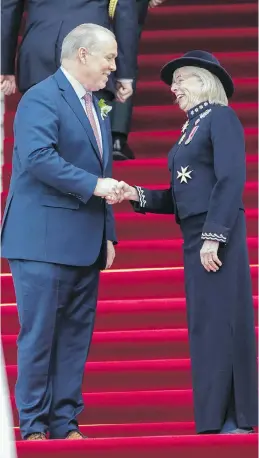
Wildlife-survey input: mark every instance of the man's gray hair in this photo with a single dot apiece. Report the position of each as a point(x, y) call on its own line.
point(89, 36)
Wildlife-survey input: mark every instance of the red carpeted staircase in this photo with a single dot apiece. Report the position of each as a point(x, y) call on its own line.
point(137, 388)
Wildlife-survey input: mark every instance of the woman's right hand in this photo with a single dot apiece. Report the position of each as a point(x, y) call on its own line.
point(209, 255)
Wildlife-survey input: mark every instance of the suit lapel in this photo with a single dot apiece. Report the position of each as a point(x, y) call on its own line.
point(103, 132)
point(72, 99)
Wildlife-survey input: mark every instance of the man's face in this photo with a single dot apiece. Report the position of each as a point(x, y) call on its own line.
point(187, 88)
point(98, 65)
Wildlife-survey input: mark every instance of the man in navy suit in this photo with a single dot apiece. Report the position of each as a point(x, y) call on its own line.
point(58, 231)
point(47, 23)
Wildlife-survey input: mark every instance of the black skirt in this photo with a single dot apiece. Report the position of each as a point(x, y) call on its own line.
point(221, 328)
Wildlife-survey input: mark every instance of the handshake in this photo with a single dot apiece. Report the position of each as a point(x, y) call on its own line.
point(115, 191)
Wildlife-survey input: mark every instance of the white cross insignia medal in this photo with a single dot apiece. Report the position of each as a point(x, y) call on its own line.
point(184, 174)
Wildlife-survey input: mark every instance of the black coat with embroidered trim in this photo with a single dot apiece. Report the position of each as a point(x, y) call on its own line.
point(207, 172)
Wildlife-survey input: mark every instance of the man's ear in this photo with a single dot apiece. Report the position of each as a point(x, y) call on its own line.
point(83, 55)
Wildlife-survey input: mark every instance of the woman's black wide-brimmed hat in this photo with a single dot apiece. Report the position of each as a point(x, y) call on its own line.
point(202, 59)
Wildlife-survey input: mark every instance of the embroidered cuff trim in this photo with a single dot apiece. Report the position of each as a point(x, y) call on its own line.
point(142, 197)
point(216, 237)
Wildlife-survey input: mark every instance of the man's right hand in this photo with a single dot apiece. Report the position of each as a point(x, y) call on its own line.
point(106, 187)
point(123, 192)
point(7, 84)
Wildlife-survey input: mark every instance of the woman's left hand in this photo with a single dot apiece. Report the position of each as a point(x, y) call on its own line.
point(209, 256)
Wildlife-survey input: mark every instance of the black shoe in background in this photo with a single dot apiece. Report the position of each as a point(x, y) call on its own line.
point(121, 150)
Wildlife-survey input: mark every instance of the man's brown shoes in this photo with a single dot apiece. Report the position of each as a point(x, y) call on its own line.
point(75, 435)
point(36, 437)
point(72, 435)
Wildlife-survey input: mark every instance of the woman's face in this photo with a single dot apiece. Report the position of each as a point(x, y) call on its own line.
point(187, 88)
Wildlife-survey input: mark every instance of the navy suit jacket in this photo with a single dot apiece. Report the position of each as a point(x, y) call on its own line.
point(47, 24)
point(51, 213)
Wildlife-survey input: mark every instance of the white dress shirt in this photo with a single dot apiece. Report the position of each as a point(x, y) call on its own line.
point(80, 92)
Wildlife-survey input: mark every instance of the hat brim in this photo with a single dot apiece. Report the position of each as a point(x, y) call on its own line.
point(169, 69)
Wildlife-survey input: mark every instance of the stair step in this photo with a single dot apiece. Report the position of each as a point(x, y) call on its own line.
point(159, 253)
point(201, 446)
point(250, 197)
point(239, 64)
point(133, 430)
point(163, 117)
point(152, 145)
point(157, 93)
point(119, 376)
point(135, 407)
point(168, 116)
point(206, 2)
point(196, 16)
point(131, 254)
point(216, 39)
point(133, 226)
point(124, 345)
point(148, 145)
point(124, 315)
point(133, 284)
point(201, 16)
point(155, 171)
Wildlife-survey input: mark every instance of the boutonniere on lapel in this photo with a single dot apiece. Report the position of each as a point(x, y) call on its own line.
point(104, 108)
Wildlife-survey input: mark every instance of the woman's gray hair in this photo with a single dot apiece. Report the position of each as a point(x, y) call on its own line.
point(212, 88)
point(89, 36)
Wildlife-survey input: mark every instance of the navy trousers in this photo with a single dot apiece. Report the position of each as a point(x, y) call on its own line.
point(56, 307)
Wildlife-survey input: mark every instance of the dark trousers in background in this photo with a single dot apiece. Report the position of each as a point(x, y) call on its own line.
point(56, 306)
point(121, 113)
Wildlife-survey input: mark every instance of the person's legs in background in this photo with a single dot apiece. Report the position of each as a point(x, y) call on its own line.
point(105, 94)
point(121, 113)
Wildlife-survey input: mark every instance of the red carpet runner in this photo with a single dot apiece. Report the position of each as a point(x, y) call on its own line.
point(138, 386)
